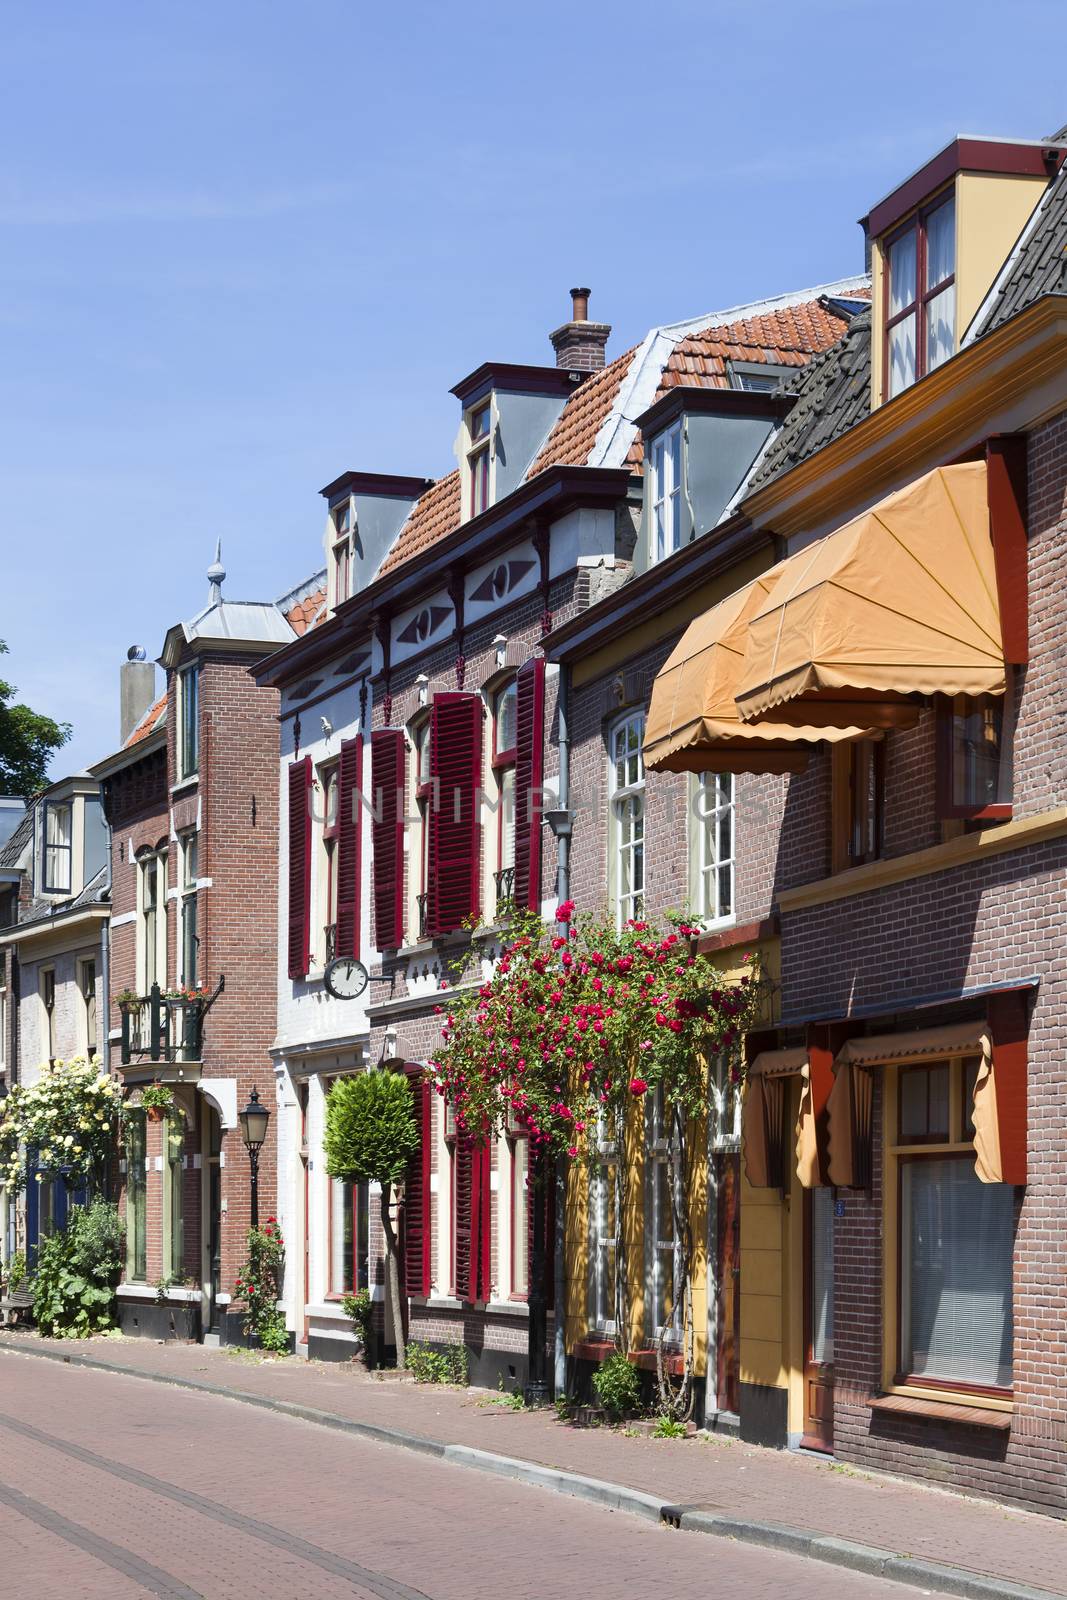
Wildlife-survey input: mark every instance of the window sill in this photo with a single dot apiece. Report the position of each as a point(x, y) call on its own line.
point(183, 785)
point(972, 1416)
point(673, 1361)
point(596, 1347)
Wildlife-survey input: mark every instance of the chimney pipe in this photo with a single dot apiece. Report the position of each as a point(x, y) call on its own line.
point(579, 344)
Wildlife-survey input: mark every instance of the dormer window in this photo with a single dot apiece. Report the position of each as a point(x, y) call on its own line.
point(479, 427)
point(58, 847)
point(341, 518)
point(920, 321)
point(666, 491)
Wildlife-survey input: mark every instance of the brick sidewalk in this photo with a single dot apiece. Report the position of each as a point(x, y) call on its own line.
point(721, 1475)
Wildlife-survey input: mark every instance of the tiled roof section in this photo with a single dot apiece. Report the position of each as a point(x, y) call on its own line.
point(41, 910)
point(1038, 265)
point(434, 514)
point(574, 434)
point(833, 394)
point(153, 718)
point(788, 337)
point(12, 852)
point(306, 613)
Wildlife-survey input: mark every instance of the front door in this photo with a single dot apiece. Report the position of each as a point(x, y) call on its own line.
point(818, 1320)
point(728, 1266)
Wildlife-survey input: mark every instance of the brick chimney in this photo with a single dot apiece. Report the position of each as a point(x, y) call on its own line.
point(579, 344)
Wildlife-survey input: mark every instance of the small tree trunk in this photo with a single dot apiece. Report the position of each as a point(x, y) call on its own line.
point(392, 1277)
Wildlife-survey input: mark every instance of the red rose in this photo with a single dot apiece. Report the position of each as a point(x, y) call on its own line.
point(638, 1086)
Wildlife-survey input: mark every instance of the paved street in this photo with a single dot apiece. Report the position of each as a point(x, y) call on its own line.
point(113, 1487)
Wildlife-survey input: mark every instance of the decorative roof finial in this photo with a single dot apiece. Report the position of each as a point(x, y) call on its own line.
point(216, 574)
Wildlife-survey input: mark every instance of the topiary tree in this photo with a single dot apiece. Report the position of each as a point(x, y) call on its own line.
point(370, 1137)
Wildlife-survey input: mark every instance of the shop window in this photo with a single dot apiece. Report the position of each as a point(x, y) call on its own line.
point(974, 758)
point(858, 803)
point(954, 1237)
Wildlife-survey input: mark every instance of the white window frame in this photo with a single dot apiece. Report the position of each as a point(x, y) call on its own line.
point(665, 490)
point(188, 847)
point(660, 1244)
point(83, 965)
point(626, 796)
point(158, 858)
point(602, 1178)
point(342, 524)
point(417, 838)
point(54, 808)
point(327, 846)
point(188, 762)
point(473, 452)
point(713, 797)
point(48, 1013)
point(725, 1089)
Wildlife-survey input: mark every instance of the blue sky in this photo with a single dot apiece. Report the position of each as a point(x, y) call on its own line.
point(245, 246)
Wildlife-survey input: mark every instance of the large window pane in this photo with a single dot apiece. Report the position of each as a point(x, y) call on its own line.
point(901, 355)
point(941, 244)
point(977, 737)
point(940, 327)
point(956, 1273)
point(57, 848)
point(902, 270)
point(520, 1223)
point(342, 1237)
point(136, 1231)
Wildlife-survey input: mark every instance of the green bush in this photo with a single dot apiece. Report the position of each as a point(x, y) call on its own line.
point(370, 1128)
point(617, 1386)
point(259, 1284)
point(450, 1365)
point(668, 1428)
point(273, 1334)
point(74, 1285)
point(359, 1309)
point(15, 1275)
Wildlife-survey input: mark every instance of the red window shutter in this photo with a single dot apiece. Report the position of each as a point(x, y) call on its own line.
point(529, 776)
point(417, 1198)
point(387, 835)
point(349, 846)
point(455, 831)
point(485, 1215)
point(300, 867)
point(462, 1217)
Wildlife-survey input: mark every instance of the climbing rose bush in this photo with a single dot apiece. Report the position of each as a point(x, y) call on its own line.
point(579, 1021)
point(68, 1116)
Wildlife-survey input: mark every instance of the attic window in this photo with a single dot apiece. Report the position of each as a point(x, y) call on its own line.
point(920, 295)
point(759, 377)
point(478, 428)
point(341, 518)
point(665, 486)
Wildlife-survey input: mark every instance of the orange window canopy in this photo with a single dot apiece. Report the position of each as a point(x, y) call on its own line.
point(904, 601)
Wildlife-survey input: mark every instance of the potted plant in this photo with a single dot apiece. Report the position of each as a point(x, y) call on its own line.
point(127, 1000)
point(157, 1100)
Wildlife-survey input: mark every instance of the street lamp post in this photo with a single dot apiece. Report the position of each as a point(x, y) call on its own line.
point(254, 1119)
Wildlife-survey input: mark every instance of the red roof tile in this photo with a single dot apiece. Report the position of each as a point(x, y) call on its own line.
point(574, 434)
point(307, 613)
point(148, 723)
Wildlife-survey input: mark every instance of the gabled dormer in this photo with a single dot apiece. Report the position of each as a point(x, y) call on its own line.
point(698, 445)
point(509, 410)
point(69, 838)
point(937, 243)
point(364, 513)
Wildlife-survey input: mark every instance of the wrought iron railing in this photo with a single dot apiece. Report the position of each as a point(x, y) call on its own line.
point(505, 885)
point(331, 940)
point(165, 1027)
point(423, 903)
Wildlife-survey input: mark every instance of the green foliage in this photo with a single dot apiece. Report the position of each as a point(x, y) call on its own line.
point(578, 1023)
point(157, 1097)
point(370, 1127)
point(14, 1275)
point(563, 1408)
point(617, 1385)
point(359, 1309)
point(67, 1115)
point(27, 740)
point(450, 1365)
point(74, 1285)
point(668, 1428)
point(259, 1283)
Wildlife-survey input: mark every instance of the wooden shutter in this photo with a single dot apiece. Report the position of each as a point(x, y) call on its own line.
point(482, 1220)
point(349, 846)
point(300, 867)
point(455, 832)
point(529, 776)
point(417, 1198)
point(387, 780)
point(462, 1216)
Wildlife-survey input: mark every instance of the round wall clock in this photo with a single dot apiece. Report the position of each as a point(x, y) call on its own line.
point(346, 978)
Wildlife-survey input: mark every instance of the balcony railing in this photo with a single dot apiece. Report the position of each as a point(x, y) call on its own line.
point(505, 886)
point(330, 932)
point(165, 1027)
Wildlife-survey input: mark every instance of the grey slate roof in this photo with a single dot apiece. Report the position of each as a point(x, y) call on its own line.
point(13, 851)
point(833, 394)
point(1037, 265)
point(94, 894)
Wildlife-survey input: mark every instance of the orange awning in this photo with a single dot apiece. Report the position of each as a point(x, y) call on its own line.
point(901, 601)
point(693, 722)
